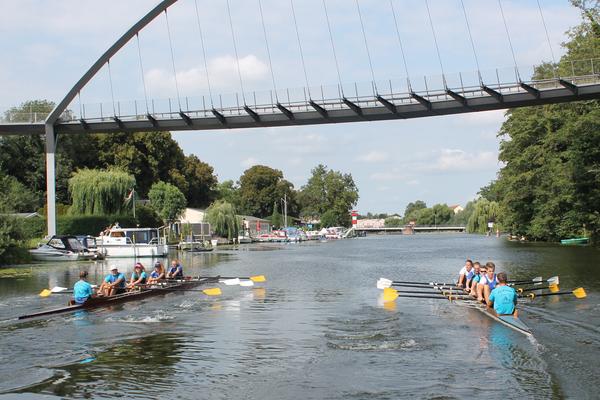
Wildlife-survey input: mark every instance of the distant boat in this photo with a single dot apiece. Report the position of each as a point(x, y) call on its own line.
point(61, 248)
point(133, 242)
point(582, 240)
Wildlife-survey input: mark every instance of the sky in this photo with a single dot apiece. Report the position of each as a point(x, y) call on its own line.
point(47, 46)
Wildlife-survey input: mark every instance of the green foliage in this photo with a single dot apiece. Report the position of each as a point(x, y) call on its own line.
point(329, 192)
point(147, 217)
point(16, 197)
point(393, 222)
point(99, 191)
point(167, 200)
point(439, 214)
point(229, 192)
point(25, 112)
point(91, 224)
point(261, 187)
point(12, 248)
point(33, 227)
point(461, 218)
point(484, 211)
point(412, 207)
point(201, 180)
point(223, 219)
point(276, 218)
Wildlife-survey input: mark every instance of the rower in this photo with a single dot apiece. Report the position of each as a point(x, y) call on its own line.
point(114, 283)
point(138, 277)
point(464, 272)
point(473, 279)
point(487, 283)
point(82, 290)
point(176, 270)
point(503, 298)
point(158, 274)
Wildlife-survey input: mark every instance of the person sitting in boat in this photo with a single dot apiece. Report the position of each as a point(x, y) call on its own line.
point(114, 283)
point(503, 298)
point(138, 277)
point(487, 283)
point(465, 273)
point(471, 286)
point(176, 270)
point(82, 290)
point(158, 274)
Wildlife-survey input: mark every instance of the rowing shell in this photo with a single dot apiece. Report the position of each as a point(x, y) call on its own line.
point(119, 298)
point(507, 320)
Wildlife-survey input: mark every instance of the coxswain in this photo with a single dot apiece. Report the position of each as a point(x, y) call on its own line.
point(82, 290)
point(176, 270)
point(464, 272)
point(138, 277)
point(114, 283)
point(503, 298)
point(158, 274)
point(487, 283)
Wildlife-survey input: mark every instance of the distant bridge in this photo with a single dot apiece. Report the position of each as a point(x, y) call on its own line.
point(409, 230)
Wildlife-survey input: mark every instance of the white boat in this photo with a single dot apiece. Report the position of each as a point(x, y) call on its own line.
point(61, 248)
point(133, 242)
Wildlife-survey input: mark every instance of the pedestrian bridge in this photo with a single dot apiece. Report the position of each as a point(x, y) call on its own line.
point(408, 229)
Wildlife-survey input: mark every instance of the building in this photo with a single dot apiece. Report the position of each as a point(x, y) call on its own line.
point(456, 208)
point(254, 226)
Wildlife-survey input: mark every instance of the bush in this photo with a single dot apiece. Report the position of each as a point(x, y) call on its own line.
point(91, 224)
point(33, 227)
point(12, 247)
point(146, 217)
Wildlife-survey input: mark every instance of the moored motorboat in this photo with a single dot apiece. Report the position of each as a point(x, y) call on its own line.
point(575, 241)
point(61, 248)
point(133, 242)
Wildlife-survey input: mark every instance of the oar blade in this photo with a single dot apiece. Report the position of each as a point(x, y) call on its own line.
point(553, 280)
point(389, 294)
point(45, 293)
point(58, 289)
point(580, 293)
point(553, 288)
point(537, 280)
point(231, 282)
point(212, 291)
point(258, 278)
point(382, 285)
point(246, 283)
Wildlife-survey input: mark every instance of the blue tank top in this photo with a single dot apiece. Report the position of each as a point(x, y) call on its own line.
point(470, 274)
point(492, 283)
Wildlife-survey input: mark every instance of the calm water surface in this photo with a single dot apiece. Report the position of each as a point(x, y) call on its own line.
point(314, 330)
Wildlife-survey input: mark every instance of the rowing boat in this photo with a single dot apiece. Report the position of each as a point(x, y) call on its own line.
point(510, 321)
point(140, 293)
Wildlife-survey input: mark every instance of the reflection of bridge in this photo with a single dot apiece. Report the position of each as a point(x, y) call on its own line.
point(374, 101)
point(413, 229)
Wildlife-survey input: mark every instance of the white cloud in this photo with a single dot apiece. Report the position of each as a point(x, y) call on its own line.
point(373, 156)
point(223, 74)
point(460, 160)
point(249, 162)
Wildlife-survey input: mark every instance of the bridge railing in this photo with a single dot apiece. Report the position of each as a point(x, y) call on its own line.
point(329, 97)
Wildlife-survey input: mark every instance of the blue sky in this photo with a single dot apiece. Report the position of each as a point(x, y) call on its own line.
point(47, 46)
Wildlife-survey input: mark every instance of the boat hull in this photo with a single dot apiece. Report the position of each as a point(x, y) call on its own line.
point(54, 256)
point(137, 251)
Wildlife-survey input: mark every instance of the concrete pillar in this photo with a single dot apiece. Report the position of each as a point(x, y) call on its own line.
point(51, 179)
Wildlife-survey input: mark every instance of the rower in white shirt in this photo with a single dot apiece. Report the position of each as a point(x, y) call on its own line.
point(465, 273)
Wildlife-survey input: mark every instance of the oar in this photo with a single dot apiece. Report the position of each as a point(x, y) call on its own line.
point(390, 294)
point(553, 288)
point(57, 290)
point(538, 280)
point(384, 282)
point(255, 278)
point(579, 293)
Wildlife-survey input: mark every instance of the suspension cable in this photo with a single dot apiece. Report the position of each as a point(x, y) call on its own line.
point(262, 19)
point(547, 37)
point(437, 48)
point(173, 60)
point(300, 47)
point(112, 92)
point(512, 50)
point(462, 3)
point(142, 72)
point(362, 26)
point(337, 67)
point(401, 46)
point(204, 54)
point(237, 58)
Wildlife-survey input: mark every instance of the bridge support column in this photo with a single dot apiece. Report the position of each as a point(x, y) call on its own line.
point(50, 179)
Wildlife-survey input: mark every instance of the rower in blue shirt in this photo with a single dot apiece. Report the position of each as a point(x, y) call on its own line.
point(176, 270)
point(138, 277)
point(114, 283)
point(82, 291)
point(503, 298)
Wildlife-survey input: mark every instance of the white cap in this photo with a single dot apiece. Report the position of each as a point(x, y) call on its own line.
point(114, 267)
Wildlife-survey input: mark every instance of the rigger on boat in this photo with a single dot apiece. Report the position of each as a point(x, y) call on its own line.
point(481, 288)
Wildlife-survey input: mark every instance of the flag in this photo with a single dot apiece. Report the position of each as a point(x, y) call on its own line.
point(129, 196)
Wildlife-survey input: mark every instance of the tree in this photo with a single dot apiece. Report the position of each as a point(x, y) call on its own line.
point(393, 222)
point(167, 200)
point(260, 187)
point(412, 207)
point(485, 211)
point(276, 219)
point(15, 196)
point(99, 192)
point(202, 182)
point(223, 219)
point(12, 239)
point(229, 192)
point(331, 192)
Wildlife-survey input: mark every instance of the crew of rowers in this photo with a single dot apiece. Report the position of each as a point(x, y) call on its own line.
point(116, 282)
point(482, 283)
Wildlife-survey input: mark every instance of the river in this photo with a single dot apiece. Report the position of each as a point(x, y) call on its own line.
point(314, 330)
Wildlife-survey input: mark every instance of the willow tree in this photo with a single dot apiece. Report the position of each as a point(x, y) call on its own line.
point(485, 211)
point(100, 192)
point(223, 219)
